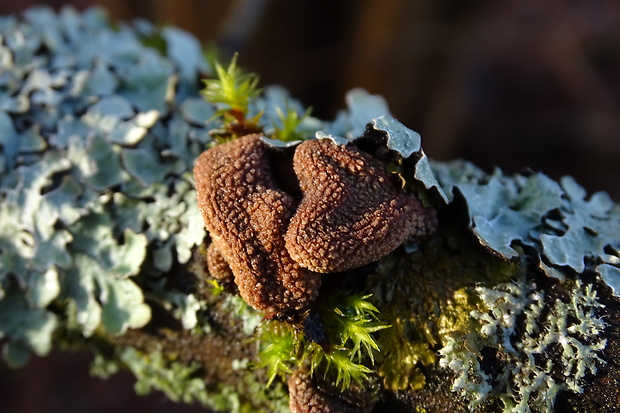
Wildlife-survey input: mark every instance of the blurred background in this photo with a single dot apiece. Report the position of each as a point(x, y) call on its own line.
point(516, 84)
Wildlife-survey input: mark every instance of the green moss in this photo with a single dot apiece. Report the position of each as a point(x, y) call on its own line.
point(427, 296)
point(287, 129)
point(350, 321)
point(233, 89)
point(279, 348)
point(232, 92)
point(403, 365)
point(344, 346)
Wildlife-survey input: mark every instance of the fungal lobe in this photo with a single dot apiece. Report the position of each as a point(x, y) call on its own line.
point(247, 215)
point(353, 212)
point(307, 396)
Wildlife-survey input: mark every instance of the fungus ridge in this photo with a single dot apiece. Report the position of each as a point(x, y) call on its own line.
point(218, 267)
point(246, 215)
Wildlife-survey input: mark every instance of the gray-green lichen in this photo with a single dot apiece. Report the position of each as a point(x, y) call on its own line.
point(541, 346)
point(566, 231)
point(99, 133)
point(183, 384)
point(94, 183)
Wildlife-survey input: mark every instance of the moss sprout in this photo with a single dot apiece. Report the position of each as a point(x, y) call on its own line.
point(233, 90)
point(289, 119)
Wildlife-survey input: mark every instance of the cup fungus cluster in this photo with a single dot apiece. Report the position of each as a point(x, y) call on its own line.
point(279, 228)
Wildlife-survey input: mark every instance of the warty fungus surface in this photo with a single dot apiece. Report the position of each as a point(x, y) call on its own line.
point(352, 212)
point(306, 396)
point(246, 215)
point(218, 267)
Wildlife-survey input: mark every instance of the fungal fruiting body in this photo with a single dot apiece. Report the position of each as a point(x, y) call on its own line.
point(218, 267)
point(246, 215)
point(352, 212)
point(308, 397)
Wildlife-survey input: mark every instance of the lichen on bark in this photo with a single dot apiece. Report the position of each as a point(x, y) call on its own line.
point(102, 246)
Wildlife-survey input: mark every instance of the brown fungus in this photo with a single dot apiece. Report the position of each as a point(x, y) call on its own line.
point(246, 215)
point(219, 268)
point(353, 210)
point(306, 395)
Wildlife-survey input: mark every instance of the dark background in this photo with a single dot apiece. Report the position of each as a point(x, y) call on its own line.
point(515, 84)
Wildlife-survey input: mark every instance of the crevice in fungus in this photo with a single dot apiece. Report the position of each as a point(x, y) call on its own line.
point(281, 162)
point(219, 268)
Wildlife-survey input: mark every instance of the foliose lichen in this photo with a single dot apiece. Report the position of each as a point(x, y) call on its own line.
point(99, 131)
point(566, 232)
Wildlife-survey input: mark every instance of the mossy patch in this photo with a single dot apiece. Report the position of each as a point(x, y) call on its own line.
point(427, 297)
